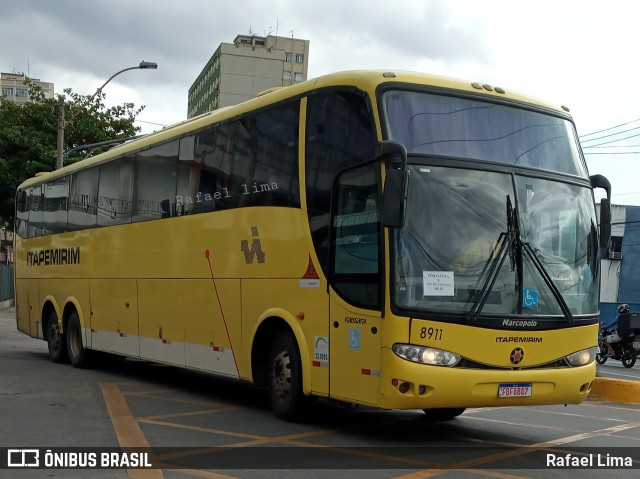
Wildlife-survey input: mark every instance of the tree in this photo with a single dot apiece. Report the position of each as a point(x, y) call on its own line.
point(28, 135)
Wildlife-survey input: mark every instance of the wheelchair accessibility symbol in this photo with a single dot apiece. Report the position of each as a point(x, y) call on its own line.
point(354, 339)
point(529, 298)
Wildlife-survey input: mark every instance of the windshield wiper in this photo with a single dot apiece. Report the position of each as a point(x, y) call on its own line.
point(510, 242)
point(548, 281)
point(505, 245)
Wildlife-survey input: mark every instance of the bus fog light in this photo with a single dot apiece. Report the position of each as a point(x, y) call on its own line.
point(424, 355)
point(581, 358)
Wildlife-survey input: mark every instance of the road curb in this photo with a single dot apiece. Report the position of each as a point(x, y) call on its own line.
point(615, 390)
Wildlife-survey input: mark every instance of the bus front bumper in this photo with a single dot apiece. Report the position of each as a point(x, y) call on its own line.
point(408, 385)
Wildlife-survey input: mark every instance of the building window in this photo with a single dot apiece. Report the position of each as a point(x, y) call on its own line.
point(286, 76)
point(287, 56)
point(299, 58)
point(9, 91)
point(297, 77)
point(21, 92)
point(615, 249)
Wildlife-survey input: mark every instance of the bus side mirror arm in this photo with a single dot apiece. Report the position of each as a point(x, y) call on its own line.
point(394, 196)
point(599, 181)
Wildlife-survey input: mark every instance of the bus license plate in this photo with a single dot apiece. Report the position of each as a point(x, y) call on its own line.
point(514, 390)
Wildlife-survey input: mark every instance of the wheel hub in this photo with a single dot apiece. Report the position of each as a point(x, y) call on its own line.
point(281, 374)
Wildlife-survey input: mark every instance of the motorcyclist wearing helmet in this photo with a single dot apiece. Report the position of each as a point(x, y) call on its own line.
point(610, 329)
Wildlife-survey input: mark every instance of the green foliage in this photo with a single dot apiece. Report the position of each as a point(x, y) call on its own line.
point(28, 135)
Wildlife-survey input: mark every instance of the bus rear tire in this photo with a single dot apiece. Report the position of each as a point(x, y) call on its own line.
point(285, 378)
point(56, 340)
point(78, 354)
point(443, 414)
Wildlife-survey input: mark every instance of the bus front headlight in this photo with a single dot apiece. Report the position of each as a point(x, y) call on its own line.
point(582, 358)
point(425, 355)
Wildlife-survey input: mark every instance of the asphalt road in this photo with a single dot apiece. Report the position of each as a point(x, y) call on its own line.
point(201, 426)
point(615, 370)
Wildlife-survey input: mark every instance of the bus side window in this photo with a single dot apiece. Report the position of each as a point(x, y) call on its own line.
point(22, 215)
point(83, 199)
point(266, 159)
point(115, 192)
point(35, 202)
point(356, 236)
point(56, 196)
point(204, 171)
point(156, 173)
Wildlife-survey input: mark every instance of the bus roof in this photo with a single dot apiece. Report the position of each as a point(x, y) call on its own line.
point(367, 80)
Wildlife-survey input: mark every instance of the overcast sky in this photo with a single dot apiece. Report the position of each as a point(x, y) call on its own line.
point(582, 54)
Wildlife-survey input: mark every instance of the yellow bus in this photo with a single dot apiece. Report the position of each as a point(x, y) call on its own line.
point(388, 239)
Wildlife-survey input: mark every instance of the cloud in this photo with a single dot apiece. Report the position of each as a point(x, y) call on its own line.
point(584, 57)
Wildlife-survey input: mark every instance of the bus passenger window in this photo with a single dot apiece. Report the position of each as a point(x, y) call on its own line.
point(83, 199)
point(35, 205)
point(156, 172)
point(22, 213)
point(56, 194)
point(115, 192)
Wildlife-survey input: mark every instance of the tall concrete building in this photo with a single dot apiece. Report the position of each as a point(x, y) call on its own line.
point(240, 70)
point(14, 89)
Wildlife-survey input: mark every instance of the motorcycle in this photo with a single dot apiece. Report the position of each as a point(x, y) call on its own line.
point(625, 341)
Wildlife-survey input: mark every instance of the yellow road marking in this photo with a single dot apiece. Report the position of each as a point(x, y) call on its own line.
point(129, 435)
point(126, 428)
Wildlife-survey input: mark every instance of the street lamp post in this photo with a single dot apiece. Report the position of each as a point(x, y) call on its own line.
point(61, 121)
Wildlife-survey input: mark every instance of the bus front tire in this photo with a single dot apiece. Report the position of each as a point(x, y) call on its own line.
point(56, 340)
point(78, 354)
point(443, 414)
point(285, 378)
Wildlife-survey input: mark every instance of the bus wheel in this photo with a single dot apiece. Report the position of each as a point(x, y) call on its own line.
point(55, 340)
point(285, 378)
point(78, 354)
point(443, 414)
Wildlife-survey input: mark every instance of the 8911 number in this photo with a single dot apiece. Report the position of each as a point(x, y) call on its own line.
point(431, 333)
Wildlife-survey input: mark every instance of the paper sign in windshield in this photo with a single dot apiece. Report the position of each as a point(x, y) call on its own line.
point(438, 283)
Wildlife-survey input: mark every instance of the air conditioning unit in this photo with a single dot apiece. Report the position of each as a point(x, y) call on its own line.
point(615, 255)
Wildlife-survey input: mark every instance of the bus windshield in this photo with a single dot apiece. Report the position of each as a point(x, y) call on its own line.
point(488, 242)
point(465, 128)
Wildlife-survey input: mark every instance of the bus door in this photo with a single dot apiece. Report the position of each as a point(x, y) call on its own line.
point(355, 297)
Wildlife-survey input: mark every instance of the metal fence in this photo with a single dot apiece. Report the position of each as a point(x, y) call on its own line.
point(6, 282)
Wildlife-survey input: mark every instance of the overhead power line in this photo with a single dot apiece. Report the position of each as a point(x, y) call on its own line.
point(152, 123)
point(611, 141)
point(611, 152)
point(613, 146)
point(612, 134)
point(610, 128)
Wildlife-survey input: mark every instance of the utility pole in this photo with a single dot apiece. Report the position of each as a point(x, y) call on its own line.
point(60, 132)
